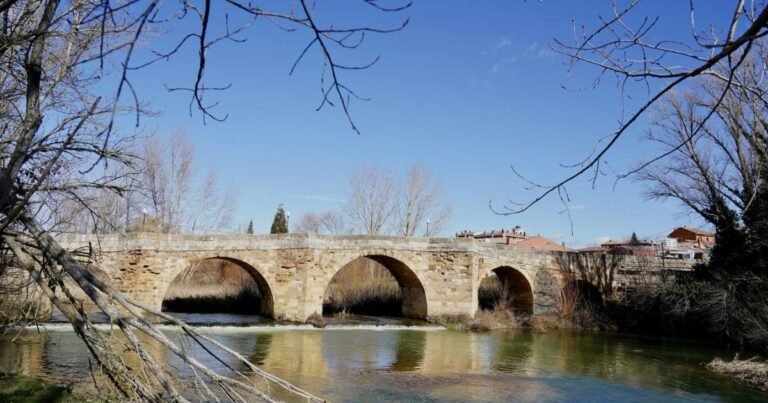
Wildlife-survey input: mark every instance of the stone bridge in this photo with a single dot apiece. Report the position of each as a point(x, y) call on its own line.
point(437, 276)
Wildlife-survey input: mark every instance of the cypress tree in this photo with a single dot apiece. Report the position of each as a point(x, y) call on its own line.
point(280, 223)
point(249, 231)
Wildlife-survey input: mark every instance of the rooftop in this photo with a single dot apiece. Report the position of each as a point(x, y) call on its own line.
point(542, 243)
point(697, 231)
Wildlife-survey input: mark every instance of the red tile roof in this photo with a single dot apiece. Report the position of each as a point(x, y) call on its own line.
point(541, 243)
point(698, 231)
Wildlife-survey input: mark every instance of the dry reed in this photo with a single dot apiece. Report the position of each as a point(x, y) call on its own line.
point(497, 308)
point(213, 285)
point(363, 286)
point(750, 372)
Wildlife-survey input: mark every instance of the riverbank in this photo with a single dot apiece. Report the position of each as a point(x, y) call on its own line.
point(751, 372)
point(27, 389)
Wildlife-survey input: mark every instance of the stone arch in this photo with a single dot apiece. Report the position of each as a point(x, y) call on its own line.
point(414, 297)
point(517, 284)
point(266, 307)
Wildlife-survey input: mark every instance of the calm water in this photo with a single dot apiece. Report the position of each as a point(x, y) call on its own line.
point(391, 363)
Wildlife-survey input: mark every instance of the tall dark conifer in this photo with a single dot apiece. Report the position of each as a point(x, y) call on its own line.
point(280, 223)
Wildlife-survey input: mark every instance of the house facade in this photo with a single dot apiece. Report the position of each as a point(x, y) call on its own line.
point(506, 237)
point(696, 237)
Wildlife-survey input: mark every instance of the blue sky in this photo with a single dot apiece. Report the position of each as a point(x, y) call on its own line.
point(467, 89)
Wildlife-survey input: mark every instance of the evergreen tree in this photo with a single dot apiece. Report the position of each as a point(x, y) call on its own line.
point(755, 219)
point(249, 231)
point(633, 241)
point(280, 223)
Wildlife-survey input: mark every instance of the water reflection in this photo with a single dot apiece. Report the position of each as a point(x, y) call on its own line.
point(445, 365)
point(409, 354)
point(259, 354)
point(514, 352)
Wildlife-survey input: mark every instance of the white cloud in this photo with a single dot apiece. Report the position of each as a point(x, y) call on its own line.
point(321, 198)
point(501, 63)
point(535, 51)
point(501, 44)
point(544, 53)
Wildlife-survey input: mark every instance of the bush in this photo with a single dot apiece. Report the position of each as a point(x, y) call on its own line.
point(733, 309)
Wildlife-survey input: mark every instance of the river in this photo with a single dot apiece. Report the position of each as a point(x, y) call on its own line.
point(387, 361)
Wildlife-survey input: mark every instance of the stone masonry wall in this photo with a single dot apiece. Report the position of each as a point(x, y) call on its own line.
point(438, 276)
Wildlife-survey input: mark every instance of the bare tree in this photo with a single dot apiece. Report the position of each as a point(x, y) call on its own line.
point(70, 64)
point(168, 177)
point(626, 46)
point(333, 222)
point(327, 222)
point(308, 223)
point(213, 207)
point(173, 194)
point(380, 203)
point(719, 173)
point(372, 201)
point(421, 200)
point(164, 193)
point(108, 212)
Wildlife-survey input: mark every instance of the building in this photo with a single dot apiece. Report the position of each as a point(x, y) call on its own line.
point(542, 243)
point(610, 244)
point(696, 237)
point(624, 247)
point(684, 243)
point(592, 249)
point(506, 237)
point(688, 243)
point(635, 250)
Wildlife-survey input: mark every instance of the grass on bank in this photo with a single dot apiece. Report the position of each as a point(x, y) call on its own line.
point(22, 388)
point(18, 388)
point(751, 372)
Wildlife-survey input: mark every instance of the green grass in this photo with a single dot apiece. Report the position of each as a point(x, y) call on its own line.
point(23, 388)
point(18, 388)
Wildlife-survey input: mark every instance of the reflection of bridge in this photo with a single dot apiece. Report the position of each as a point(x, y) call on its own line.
point(436, 276)
point(438, 364)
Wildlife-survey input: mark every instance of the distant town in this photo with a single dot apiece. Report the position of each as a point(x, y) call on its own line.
point(683, 243)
